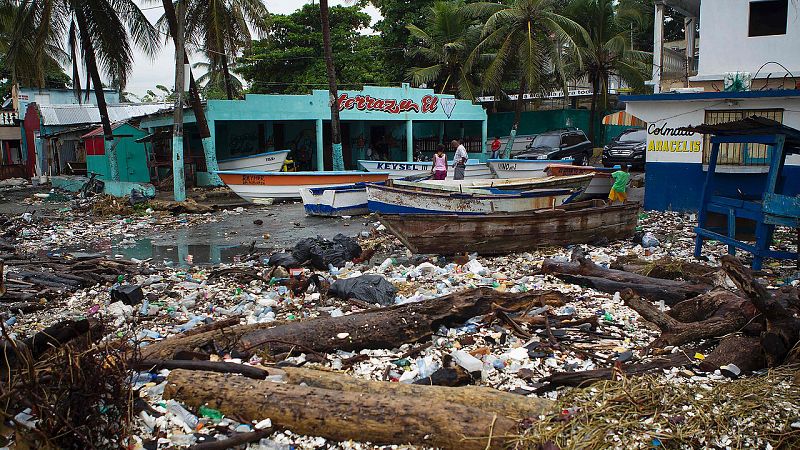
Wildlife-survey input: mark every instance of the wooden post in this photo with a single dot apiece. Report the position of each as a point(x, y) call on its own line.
point(179, 187)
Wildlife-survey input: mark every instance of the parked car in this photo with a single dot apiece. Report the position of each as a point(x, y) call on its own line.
point(627, 148)
point(559, 144)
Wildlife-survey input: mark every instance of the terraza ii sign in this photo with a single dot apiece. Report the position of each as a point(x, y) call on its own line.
point(429, 104)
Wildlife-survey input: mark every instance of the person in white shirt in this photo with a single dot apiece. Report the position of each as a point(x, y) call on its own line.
point(459, 160)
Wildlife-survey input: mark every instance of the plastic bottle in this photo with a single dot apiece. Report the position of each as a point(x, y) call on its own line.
point(142, 378)
point(385, 264)
point(181, 413)
point(467, 361)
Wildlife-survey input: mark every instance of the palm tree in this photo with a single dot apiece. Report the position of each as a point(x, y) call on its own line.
point(446, 42)
point(336, 138)
point(530, 39)
point(213, 79)
point(606, 49)
point(221, 28)
point(101, 31)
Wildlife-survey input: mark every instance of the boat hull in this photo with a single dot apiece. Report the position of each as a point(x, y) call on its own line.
point(430, 200)
point(521, 168)
point(520, 184)
point(348, 200)
point(601, 182)
point(497, 234)
point(399, 169)
point(262, 162)
point(254, 186)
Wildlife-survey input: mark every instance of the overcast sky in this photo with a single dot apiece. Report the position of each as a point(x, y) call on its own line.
point(147, 73)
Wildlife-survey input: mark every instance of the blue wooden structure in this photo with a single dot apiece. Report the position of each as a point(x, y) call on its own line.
point(773, 208)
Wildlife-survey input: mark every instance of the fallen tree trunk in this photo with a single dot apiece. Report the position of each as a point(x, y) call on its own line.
point(586, 377)
point(387, 327)
point(584, 272)
point(488, 399)
point(51, 337)
point(211, 366)
point(728, 318)
point(341, 415)
point(667, 268)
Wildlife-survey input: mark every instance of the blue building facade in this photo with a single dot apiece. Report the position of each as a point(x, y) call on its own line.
point(677, 161)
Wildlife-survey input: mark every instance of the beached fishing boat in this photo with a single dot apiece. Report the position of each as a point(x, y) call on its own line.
point(399, 169)
point(601, 182)
point(347, 200)
point(261, 162)
point(496, 234)
point(420, 198)
point(521, 168)
point(519, 184)
point(259, 186)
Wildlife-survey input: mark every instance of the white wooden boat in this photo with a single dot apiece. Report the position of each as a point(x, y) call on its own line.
point(579, 181)
point(398, 169)
point(257, 186)
point(419, 198)
point(601, 182)
point(521, 168)
point(347, 200)
point(261, 162)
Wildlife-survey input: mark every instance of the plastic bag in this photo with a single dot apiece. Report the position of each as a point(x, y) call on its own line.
point(368, 288)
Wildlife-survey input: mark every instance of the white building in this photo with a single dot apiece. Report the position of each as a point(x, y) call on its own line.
point(755, 44)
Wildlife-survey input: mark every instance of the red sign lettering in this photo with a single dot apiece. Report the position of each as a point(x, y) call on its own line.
point(430, 104)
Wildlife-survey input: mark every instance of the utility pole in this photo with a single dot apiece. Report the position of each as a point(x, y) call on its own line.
point(179, 182)
point(336, 137)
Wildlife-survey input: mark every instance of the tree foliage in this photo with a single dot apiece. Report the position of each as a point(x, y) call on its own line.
point(290, 59)
point(395, 38)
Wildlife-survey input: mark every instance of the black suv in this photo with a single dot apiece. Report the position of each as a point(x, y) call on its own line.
point(627, 148)
point(559, 144)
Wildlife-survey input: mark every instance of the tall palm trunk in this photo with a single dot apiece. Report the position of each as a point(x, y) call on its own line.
point(336, 138)
point(523, 87)
point(209, 149)
point(593, 110)
point(227, 77)
point(97, 83)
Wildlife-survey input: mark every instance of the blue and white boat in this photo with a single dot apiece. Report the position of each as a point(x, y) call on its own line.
point(522, 168)
point(400, 169)
point(260, 162)
point(421, 198)
point(347, 200)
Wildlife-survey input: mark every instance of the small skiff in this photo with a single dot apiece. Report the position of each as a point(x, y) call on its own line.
point(497, 234)
point(399, 169)
point(347, 200)
point(262, 162)
point(601, 182)
point(257, 186)
point(420, 198)
point(521, 168)
point(579, 181)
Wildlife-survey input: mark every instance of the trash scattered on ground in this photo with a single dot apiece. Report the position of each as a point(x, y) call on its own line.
point(538, 350)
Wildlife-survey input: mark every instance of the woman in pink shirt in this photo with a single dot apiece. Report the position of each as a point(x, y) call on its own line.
point(439, 164)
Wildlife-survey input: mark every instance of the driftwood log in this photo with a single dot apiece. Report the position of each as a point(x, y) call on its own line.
point(379, 418)
point(488, 399)
point(668, 268)
point(377, 328)
point(13, 352)
point(583, 272)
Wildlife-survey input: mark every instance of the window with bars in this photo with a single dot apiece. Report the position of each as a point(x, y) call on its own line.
point(739, 154)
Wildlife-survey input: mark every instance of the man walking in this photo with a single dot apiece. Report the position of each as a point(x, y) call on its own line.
point(459, 160)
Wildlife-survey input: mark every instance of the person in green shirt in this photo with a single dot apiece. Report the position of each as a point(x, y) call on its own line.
point(618, 189)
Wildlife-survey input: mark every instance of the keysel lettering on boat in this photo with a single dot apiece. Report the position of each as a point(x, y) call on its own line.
point(399, 166)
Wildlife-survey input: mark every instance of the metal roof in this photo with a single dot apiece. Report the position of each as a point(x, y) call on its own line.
point(60, 115)
point(753, 125)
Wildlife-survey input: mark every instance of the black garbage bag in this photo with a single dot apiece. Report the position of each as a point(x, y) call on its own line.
point(283, 259)
point(368, 288)
point(320, 251)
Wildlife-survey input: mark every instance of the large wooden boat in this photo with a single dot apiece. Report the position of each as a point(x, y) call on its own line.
point(420, 198)
point(261, 162)
point(257, 186)
point(400, 169)
point(521, 168)
point(496, 234)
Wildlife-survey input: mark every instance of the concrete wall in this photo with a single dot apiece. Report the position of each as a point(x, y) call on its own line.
point(675, 177)
point(726, 47)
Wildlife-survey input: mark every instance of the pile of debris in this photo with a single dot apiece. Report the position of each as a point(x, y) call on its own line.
point(631, 343)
